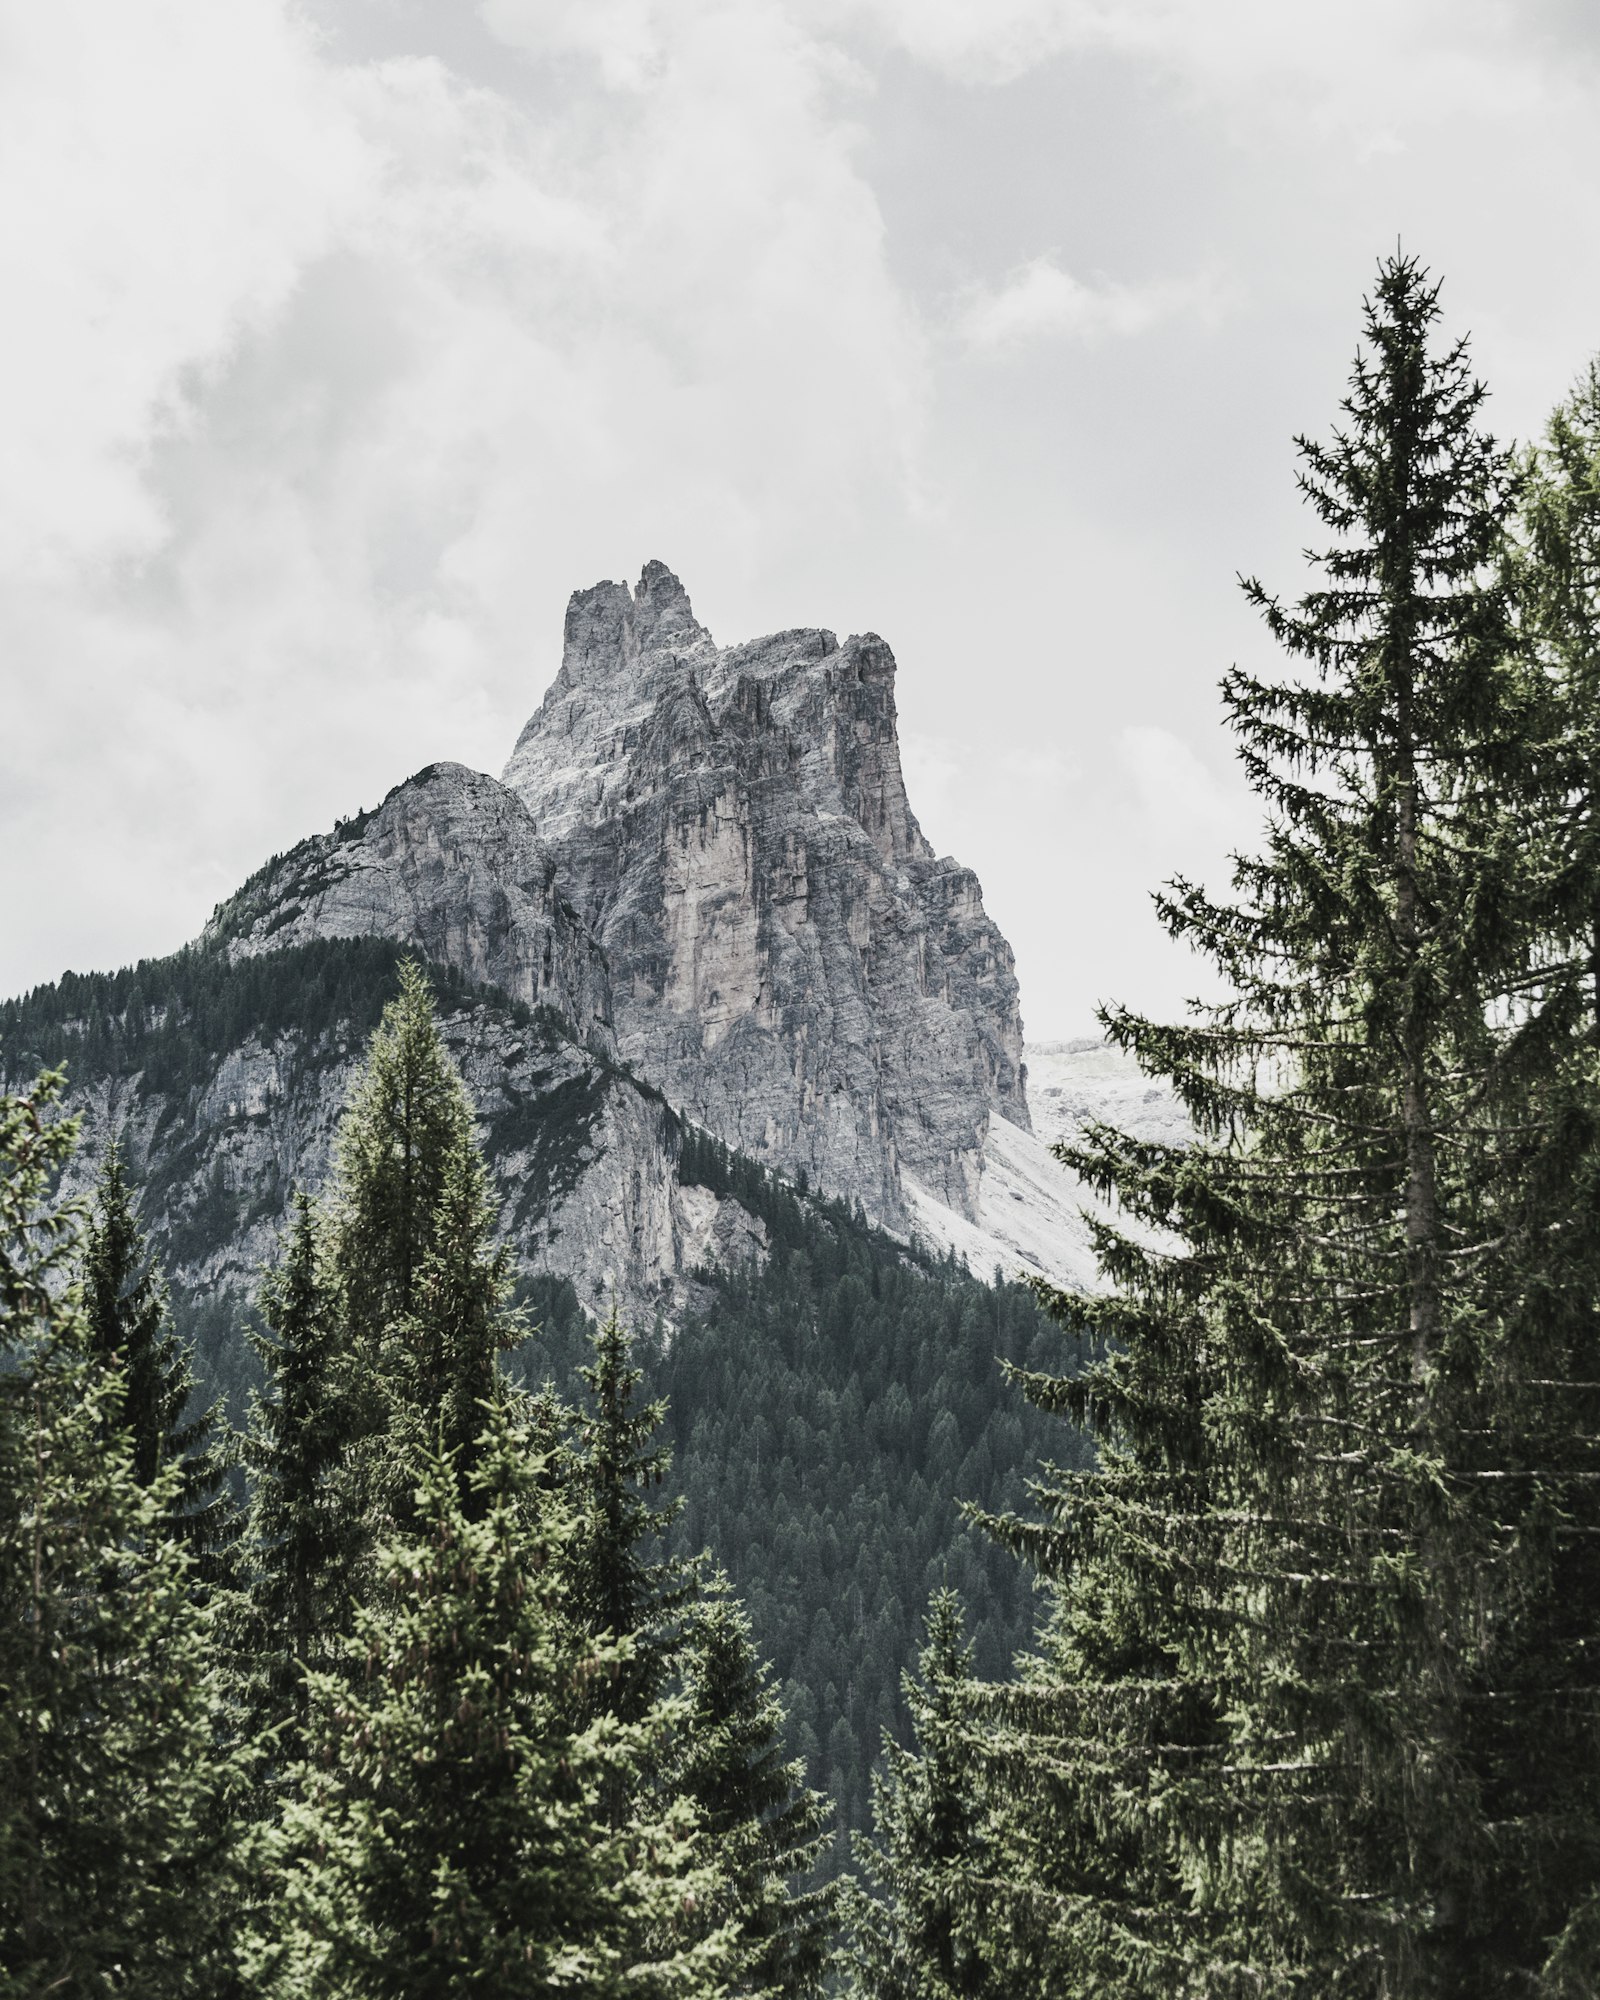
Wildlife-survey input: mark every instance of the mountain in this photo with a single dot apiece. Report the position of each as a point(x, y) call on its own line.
point(747, 1055)
point(790, 961)
point(699, 893)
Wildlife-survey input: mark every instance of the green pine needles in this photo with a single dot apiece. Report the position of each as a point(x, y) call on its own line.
point(1314, 1710)
point(448, 1719)
point(452, 1833)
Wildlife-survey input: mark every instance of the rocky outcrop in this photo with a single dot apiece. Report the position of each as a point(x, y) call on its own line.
point(449, 864)
point(585, 1158)
point(790, 961)
point(699, 891)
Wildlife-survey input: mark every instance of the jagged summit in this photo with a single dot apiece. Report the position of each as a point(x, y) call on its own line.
point(609, 627)
point(790, 960)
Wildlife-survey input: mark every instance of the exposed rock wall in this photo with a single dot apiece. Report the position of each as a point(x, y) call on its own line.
point(449, 863)
point(701, 860)
point(584, 1159)
point(790, 961)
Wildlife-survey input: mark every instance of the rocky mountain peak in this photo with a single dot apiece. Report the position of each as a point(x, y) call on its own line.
point(790, 960)
point(450, 863)
point(609, 628)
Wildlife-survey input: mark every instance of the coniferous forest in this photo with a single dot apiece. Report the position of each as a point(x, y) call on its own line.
point(457, 1660)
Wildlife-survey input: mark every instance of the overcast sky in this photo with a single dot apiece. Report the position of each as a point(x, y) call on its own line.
point(343, 340)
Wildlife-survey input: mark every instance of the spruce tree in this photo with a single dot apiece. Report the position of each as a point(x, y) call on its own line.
point(914, 1938)
point(126, 1311)
point(759, 1826)
point(1247, 1760)
point(620, 1583)
point(419, 1291)
point(302, 1543)
point(407, 1118)
point(448, 1344)
point(1537, 1739)
point(114, 1862)
point(454, 1836)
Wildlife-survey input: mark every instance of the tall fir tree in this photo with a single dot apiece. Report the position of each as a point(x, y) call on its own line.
point(126, 1311)
point(1248, 1759)
point(621, 1582)
point(454, 1836)
point(115, 1866)
point(760, 1826)
point(302, 1543)
point(407, 1119)
point(914, 1937)
point(383, 1323)
point(460, 1322)
point(1538, 1739)
point(419, 1290)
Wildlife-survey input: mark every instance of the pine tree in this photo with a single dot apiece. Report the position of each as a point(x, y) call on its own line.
point(302, 1544)
point(448, 1345)
point(619, 1584)
point(419, 1292)
point(760, 1827)
point(408, 1117)
point(113, 1793)
point(1248, 1759)
point(384, 1321)
point(453, 1837)
point(914, 1939)
point(1537, 1739)
point(125, 1307)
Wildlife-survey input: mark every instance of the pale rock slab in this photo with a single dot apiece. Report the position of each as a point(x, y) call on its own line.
point(790, 961)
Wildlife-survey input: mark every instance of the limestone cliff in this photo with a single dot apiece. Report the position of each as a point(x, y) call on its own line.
point(224, 1083)
point(450, 865)
point(700, 891)
point(790, 961)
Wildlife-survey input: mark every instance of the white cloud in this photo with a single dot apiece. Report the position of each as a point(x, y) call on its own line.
point(1360, 69)
point(167, 170)
point(1041, 301)
point(324, 384)
point(1184, 810)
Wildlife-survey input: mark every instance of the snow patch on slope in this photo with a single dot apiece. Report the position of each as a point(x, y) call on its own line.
point(1030, 1207)
point(1028, 1221)
point(1072, 1083)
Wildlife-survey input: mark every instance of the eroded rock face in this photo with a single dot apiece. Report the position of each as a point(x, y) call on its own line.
point(701, 860)
point(584, 1161)
point(451, 864)
point(790, 961)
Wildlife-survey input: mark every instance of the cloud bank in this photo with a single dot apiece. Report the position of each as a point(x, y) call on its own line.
point(334, 359)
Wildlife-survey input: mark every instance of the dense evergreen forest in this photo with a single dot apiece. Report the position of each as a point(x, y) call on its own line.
point(443, 1698)
point(840, 1398)
point(826, 1416)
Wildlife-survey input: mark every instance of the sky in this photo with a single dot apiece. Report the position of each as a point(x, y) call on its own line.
point(344, 339)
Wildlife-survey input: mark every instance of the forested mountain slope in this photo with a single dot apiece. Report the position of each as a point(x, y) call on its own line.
point(224, 1077)
point(832, 1392)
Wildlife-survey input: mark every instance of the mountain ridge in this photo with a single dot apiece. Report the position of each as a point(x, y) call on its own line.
point(705, 885)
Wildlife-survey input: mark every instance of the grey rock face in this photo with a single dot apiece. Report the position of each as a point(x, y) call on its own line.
point(789, 960)
point(702, 861)
point(584, 1160)
point(449, 863)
